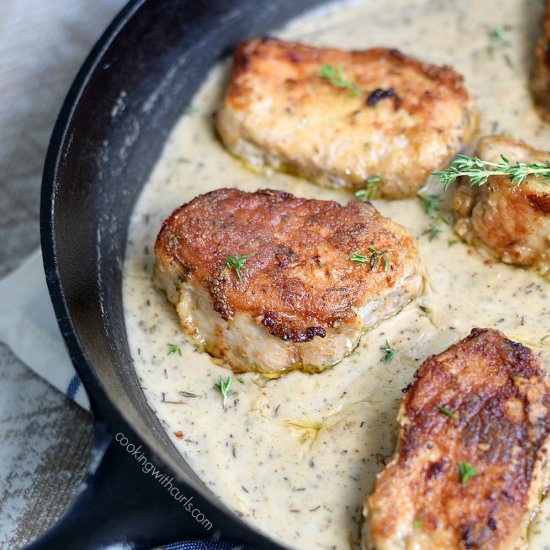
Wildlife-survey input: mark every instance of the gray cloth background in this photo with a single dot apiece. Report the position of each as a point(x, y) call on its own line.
point(44, 438)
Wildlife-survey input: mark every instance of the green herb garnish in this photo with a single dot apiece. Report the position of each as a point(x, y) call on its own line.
point(370, 190)
point(497, 37)
point(433, 230)
point(432, 207)
point(234, 261)
point(190, 109)
point(172, 348)
point(479, 171)
point(431, 203)
point(467, 472)
point(418, 523)
point(188, 394)
point(338, 78)
point(388, 351)
point(224, 387)
point(240, 379)
point(373, 260)
point(447, 412)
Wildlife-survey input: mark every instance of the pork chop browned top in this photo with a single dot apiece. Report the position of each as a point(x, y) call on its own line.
point(471, 456)
point(340, 117)
point(511, 221)
point(285, 264)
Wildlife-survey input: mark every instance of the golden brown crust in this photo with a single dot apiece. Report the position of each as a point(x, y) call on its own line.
point(540, 80)
point(500, 396)
point(409, 119)
point(299, 281)
point(512, 221)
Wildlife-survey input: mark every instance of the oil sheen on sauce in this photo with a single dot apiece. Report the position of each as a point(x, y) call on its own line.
point(297, 456)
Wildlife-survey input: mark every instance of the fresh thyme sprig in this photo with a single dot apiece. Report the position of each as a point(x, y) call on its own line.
point(370, 190)
point(373, 260)
point(388, 351)
point(224, 387)
point(466, 472)
point(479, 171)
point(234, 261)
point(338, 78)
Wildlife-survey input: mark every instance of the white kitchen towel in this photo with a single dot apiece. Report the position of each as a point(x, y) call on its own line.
point(29, 327)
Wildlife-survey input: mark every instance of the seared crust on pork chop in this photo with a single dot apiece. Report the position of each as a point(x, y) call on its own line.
point(302, 302)
point(384, 114)
point(540, 79)
point(511, 221)
point(484, 402)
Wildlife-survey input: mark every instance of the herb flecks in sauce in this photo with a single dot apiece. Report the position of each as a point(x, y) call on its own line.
point(432, 207)
point(479, 171)
point(173, 349)
point(431, 203)
point(497, 38)
point(433, 230)
point(338, 78)
point(388, 352)
point(188, 394)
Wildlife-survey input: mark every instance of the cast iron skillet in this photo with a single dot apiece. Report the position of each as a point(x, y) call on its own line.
point(148, 63)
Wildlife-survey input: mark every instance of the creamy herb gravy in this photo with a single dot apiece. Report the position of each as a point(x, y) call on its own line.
point(297, 456)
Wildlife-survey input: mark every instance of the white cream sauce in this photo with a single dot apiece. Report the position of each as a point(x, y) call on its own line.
point(297, 456)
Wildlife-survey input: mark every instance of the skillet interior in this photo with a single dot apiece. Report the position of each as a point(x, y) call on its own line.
point(122, 106)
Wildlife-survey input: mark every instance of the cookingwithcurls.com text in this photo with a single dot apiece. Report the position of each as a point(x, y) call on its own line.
point(147, 467)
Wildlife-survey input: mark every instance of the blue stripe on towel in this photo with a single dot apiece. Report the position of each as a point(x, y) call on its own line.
point(73, 386)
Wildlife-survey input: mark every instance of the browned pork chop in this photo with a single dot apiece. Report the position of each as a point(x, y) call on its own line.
point(540, 79)
point(471, 458)
point(512, 222)
point(339, 117)
point(296, 299)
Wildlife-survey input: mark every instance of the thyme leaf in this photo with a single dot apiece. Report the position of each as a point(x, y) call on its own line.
point(374, 259)
point(234, 261)
point(389, 352)
point(479, 171)
point(433, 230)
point(467, 472)
point(338, 78)
point(431, 203)
point(173, 348)
point(370, 190)
point(224, 387)
point(447, 412)
point(188, 394)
